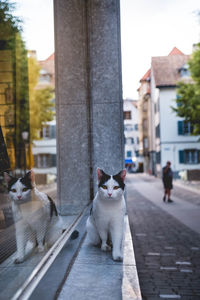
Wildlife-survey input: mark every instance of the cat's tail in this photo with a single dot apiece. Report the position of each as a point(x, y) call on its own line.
point(74, 234)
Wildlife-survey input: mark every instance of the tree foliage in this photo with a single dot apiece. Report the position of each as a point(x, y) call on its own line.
point(41, 105)
point(9, 24)
point(31, 108)
point(188, 94)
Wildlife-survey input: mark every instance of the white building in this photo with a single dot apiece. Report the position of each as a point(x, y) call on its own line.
point(44, 150)
point(171, 134)
point(131, 135)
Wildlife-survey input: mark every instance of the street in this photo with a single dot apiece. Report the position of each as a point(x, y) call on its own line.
point(166, 239)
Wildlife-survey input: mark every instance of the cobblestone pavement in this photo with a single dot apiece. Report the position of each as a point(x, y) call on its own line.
point(178, 190)
point(167, 252)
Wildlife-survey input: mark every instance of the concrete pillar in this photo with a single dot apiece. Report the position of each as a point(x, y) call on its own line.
point(88, 97)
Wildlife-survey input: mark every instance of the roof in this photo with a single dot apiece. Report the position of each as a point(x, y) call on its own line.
point(48, 64)
point(51, 57)
point(146, 76)
point(175, 51)
point(166, 68)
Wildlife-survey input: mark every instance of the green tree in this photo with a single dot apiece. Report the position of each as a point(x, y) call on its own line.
point(188, 94)
point(9, 24)
point(41, 105)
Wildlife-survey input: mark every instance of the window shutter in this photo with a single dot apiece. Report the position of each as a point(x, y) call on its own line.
point(199, 156)
point(180, 128)
point(53, 160)
point(181, 156)
point(53, 131)
point(129, 153)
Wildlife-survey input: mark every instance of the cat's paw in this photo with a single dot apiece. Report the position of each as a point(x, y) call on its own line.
point(105, 247)
point(19, 260)
point(117, 257)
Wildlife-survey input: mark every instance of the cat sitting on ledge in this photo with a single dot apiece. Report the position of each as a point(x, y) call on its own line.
point(106, 220)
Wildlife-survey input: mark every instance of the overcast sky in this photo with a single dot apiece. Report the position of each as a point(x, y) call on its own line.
point(148, 28)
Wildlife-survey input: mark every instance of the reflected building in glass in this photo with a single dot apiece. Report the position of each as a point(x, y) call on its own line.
point(14, 98)
point(44, 148)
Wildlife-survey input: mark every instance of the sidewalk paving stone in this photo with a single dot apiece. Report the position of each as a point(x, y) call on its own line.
point(163, 244)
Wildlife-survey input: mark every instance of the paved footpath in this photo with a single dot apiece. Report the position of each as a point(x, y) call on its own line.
point(166, 239)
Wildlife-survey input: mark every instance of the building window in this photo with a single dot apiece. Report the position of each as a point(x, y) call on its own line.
point(138, 140)
point(155, 107)
point(42, 160)
point(127, 115)
point(44, 77)
point(129, 141)
point(184, 71)
point(53, 131)
point(48, 131)
point(184, 128)
point(45, 132)
point(128, 127)
point(136, 126)
point(129, 153)
point(158, 157)
point(53, 160)
point(158, 131)
point(144, 124)
point(145, 143)
point(189, 156)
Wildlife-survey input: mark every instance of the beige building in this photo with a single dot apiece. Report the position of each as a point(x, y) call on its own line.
point(47, 72)
point(144, 119)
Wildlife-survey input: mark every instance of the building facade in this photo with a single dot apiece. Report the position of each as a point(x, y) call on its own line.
point(44, 149)
point(131, 134)
point(144, 119)
point(171, 137)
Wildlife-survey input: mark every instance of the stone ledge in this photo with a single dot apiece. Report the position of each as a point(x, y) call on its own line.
point(95, 275)
point(130, 281)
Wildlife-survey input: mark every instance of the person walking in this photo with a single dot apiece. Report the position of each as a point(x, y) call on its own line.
point(167, 177)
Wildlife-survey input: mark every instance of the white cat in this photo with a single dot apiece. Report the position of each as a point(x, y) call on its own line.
point(107, 215)
point(34, 213)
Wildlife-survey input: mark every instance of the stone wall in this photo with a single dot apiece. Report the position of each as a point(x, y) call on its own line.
point(88, 97)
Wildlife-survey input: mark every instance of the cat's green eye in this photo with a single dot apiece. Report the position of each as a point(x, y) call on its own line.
point(104, 187)
point(13, 190)
point(115, 187)
point(25, 189)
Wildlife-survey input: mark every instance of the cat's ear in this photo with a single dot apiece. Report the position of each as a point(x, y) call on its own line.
point(7, 177)
point(31, 176)
point(99, 174)
point(122, 174)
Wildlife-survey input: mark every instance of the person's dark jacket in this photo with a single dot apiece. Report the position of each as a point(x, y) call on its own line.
point(167, 177)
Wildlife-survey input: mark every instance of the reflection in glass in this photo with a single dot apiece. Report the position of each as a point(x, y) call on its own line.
point(27, 125)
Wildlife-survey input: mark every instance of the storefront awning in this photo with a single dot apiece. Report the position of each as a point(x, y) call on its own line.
point(128, 161)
